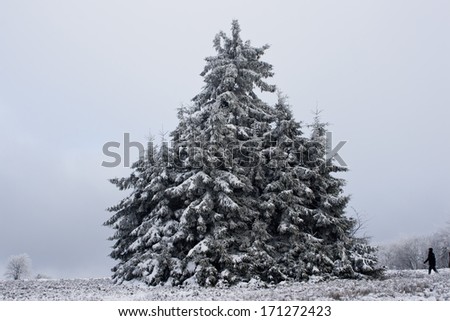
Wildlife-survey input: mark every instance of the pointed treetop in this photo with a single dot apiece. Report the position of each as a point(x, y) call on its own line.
point(222, 43)
point(236, 68)
point(318, 127)
point(282, 107)
point(235, 30)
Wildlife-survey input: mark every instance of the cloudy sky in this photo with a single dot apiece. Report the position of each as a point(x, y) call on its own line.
point(77, 74)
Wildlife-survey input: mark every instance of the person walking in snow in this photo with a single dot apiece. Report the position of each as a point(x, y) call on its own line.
point(431, 259)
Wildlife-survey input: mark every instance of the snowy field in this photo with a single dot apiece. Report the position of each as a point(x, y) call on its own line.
point(396, 286)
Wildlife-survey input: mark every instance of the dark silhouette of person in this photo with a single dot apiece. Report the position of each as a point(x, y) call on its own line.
point(431, 259)
point(449, 259)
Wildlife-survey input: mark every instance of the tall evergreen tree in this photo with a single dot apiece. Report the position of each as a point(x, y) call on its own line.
point(285, 195)
point(339, 251)
point(141, 219)
point(233, 198)
point(214, 193)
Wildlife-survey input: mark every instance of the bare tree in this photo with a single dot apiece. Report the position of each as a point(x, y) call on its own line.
point(360, 225)
point(18, 267)
point(411, 253)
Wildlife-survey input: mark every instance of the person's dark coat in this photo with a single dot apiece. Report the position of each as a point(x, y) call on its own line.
point(431, 259)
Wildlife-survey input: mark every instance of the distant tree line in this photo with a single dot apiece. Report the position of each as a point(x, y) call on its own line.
point(409, 253)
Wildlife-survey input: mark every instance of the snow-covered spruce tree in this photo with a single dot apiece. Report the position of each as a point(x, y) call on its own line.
point(221, 235)
point(202, 224)
point(140, 217)
point(338, 251)
point(285, 196)
point(232, 199)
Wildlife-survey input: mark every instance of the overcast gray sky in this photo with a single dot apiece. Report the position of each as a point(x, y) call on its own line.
point(77, 74)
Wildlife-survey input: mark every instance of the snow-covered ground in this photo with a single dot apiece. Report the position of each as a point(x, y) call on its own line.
point(397, 285)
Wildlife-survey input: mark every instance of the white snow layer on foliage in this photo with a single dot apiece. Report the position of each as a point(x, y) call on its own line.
point(397, 286)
